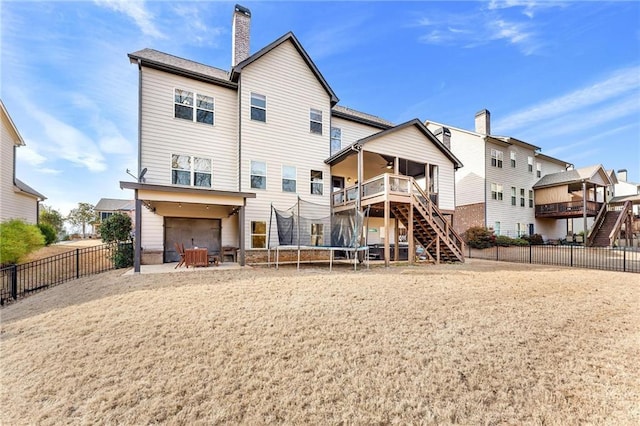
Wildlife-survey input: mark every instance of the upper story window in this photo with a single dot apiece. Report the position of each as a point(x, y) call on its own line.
point(289, 179)
point(531, 198)
point(258, 107)
point(316, 182)
point(496, 191)
point(336, 140)
point(513, 196)
point(530, 164)
point(315, 121)
point(258, 175)
point(521, 197)
point(538, 169)
point(191, 171)
point(496, 158)
point(184, 107)
point(513, 159)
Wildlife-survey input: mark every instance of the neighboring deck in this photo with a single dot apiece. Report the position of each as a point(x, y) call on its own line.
point(567, 210)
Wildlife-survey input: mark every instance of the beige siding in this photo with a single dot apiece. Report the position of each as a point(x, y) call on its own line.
point(152, 230)
point(352, 131)
point(163, 134)
point(410, 143)
point(291, 90)
point(558, 194)
point(13, 205)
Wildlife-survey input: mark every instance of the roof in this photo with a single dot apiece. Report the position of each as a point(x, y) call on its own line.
point(360, 117)
point(415, 122)
point(552, 159)
point(237, 70)
point(634, 198)
point(27, 189)
point(5, 116)
point(180, 66)
point(114, 204)
point(586, 174)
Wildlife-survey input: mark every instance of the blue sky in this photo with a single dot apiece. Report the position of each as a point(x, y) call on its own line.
point(564, 76)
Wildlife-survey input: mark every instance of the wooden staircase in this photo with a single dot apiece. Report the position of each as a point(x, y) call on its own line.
point(430, 229)
point(607, 227)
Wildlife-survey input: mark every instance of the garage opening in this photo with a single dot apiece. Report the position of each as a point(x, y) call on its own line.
point(192, 233)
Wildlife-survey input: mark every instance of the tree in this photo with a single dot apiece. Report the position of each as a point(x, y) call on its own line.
point(52, 217)
point(18, 239)
point(82, 215)
point(117, 229)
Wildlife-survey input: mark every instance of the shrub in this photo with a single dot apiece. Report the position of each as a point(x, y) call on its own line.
point(18, 239)
point(50, 235)
point(117, 228)
point(504, 241)
point(479, 237)
point(123, 255)
point(535, 239)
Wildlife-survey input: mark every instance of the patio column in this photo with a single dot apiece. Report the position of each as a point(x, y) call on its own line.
point(396, 228)
point(584, 207)
point(241, 225)
point(387, 249)
point(360, 177)
point(412, 247)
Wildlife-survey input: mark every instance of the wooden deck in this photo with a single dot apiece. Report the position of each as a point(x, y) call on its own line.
point(572, 209)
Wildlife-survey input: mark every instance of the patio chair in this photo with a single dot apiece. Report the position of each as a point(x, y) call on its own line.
point(180, 251)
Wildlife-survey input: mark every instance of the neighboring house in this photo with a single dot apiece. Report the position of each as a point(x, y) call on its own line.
point(108, 206)
point(219, 148)
point(624, 190)
point(495, 187)
point(17, 199)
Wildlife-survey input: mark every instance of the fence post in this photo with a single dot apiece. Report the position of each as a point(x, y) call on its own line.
point(530, 248)
point(77, 263)
point(571, 254)
point(14, 282)
point(624, 259)
point(497, 248)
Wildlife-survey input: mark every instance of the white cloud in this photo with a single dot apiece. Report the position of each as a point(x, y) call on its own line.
point(618, 84)
point(194, 27)
point(599, 136)
point(48, 171)
point(137, 11)
point(30, 155)
point(529, 6)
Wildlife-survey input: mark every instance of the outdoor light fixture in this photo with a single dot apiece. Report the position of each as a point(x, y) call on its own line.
point(389, 165)
point(179, 204)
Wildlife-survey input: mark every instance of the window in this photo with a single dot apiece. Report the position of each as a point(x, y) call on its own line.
point(513, 195)
point(316, 182)
point(538, 169)
point(496, 228)
point(513, 159)
point(521, 229)
point(315, 121)
point(258, 175)
point(531, 198)
point(258, 107)
point(191, 171)
point(521, 197)
point(433, 179)
point(105, 215)
point(496, 191)
point(496, 158)
point(530, 164)
point(258, 234)
point(183, 107)
point(336, 140)
point(317, 232)
point(288, 179)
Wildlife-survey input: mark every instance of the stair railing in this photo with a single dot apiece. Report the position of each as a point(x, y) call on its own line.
point(434, 213)
point(597, 224)
point(618, 225)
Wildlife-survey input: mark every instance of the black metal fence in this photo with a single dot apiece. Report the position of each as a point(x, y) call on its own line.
point(26, 278)
point(623, 259)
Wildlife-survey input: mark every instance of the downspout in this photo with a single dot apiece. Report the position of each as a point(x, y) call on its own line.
point(137, 252)
point(241, 214)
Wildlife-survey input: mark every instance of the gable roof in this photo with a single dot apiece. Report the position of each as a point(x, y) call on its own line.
point(415, 122)
point(237, 70)
point(360, 117)
point(586, 174)
point(12, 127)
point(23, 187)
point(184, 67)
point(114, 204)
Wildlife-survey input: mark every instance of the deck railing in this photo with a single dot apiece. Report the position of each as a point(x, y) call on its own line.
point(398, 185)
point(567, 209)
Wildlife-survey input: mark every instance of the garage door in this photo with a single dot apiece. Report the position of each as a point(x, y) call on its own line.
point(191, 233)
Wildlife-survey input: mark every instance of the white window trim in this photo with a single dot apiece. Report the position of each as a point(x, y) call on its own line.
point(498, 156)
point(295, 179)
point(332, 139)
point(195, 94)
point(320, 182)
point(311, 120)
point(251, 106)
point(253, 235)
point(513, 159)
point(498, 191)
point(251, 174)
point(321, 234)
point(192, 170)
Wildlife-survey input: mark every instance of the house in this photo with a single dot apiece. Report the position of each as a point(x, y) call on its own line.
point(495, 189)
point(17, 199)
point(220, 147)
point(108, 206)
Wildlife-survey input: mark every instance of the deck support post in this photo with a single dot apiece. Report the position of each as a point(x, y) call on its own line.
point(387, 250)
point(396, 229)
point(410, 240)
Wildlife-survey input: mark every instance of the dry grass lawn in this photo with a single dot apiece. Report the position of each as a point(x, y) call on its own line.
point(479, 343)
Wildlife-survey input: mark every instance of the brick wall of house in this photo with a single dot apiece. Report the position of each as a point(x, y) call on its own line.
point(467, 216)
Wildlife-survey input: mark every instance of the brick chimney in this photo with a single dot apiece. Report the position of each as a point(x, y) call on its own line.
point(240, 34)
point(483, 122)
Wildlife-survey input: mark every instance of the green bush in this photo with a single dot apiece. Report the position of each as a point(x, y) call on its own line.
point(18, 239)
point(117, 229)
point(50, 235)
point(479, 237)
point(123, 255)
point(504, 241)
point(535, 239)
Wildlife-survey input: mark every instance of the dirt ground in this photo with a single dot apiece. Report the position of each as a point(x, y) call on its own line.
point(478, 343)
point(59, 248)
